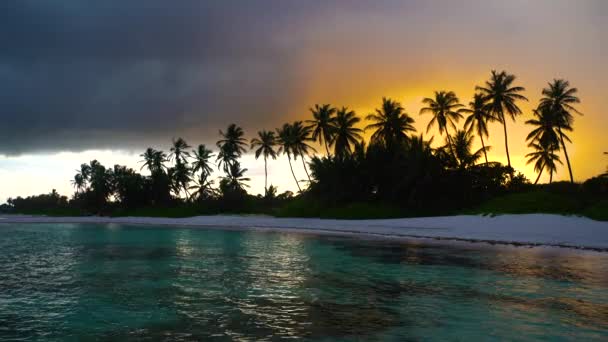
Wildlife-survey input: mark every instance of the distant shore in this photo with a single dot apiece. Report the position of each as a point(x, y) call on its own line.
point(523, 230)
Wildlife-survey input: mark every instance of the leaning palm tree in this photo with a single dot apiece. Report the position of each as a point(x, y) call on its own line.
point(543, 157)
point(445, 110)
point(301, 135)
point(390, 124)
point(477, 121)
point(559, 98)
point(346, 135)
point(500, 96)
point(265, 144)
point(322, 124)
point(285, 138)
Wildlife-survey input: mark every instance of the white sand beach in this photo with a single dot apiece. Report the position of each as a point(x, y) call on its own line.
point(531, 229)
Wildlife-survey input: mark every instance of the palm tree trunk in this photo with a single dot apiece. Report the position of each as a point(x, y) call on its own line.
point(451, 145)
point(550, 176)
point(540, 173)
point(483, 145)
point(504, 125)
point(294, 175)
point(305, 169)
point(265, 177)
point(561, 136)
point(326, 147)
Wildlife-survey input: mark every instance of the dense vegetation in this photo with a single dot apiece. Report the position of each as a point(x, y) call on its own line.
point(396, 173)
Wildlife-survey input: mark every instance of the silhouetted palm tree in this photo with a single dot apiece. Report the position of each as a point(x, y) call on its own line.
point(390, 123)
point(444, 108)
point(78, 182)
point(154, 160)
point(181, 178)
point(559, 99)
point(545, 131)
point(462, 144)
point(178, 151)
point(500, 96)
point(232, 146)
point(236, 176)
point(202, 162)
point(323, 124)
point(301, 135)
point(265, 143)
point(477, 121)
point(543, 157)
point(346, 134)
point(286, 142)
point(85, 172)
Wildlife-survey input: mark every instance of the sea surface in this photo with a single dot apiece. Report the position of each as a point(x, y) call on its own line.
point(118, 282)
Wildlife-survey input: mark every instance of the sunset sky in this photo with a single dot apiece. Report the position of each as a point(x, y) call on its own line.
point(81, 80)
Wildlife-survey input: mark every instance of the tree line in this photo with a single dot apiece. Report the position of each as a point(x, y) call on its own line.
point(396, 163)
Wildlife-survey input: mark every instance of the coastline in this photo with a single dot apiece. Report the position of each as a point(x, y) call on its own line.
point(519, 230)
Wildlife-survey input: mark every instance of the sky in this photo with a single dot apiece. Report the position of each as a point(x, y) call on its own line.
point(83, 80)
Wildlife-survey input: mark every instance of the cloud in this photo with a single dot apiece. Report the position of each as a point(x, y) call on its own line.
point(77, 75)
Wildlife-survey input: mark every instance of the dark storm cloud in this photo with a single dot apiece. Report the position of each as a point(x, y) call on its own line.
point(80, 74)
point(113, 73)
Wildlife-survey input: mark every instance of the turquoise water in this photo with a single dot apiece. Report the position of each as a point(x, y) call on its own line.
point(115, 282)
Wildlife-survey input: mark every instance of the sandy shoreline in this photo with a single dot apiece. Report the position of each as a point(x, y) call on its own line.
point(530, 230)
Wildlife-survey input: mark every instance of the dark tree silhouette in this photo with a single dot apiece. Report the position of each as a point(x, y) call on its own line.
point(323, 124)
point(286, 140)
point(477, 121)
point(390, 124)
point(301, 136)
point(559, 99)
point(444, 108)
point(264, 145)
point(346, 134)
point(232, 146)
point(543, 157)
point(501, 97)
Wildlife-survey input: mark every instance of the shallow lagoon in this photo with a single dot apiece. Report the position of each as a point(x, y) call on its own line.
point(117, 282)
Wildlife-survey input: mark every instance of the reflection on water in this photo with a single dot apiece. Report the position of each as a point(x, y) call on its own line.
point(121, 282)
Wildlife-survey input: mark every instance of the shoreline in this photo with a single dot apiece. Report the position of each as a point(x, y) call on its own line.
point(526, 230)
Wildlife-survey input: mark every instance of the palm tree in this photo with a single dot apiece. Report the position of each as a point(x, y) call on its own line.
point(346, 135)
point(232, 146)
point(181, 177)
point(462, 144)
point(560, 99)
point(323, 124)
point(477, 121)
point(201, 162)
point(543, 157)
point(265, 143)
point(444, 108)
point(85, 172)
point(545, 132)
point(301, 134)
point(178, 150)
point(390, 124)
point(236, 177)
point(154, 160)
point(500, 96)
point(285, 139)
point(78, 182)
